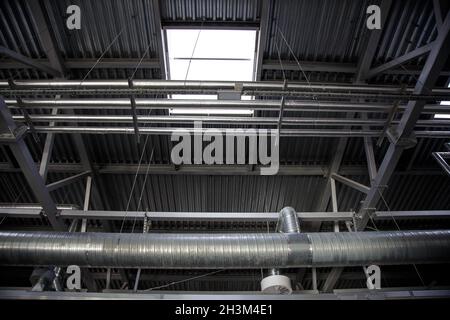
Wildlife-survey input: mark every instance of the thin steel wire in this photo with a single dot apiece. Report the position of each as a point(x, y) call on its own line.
point(143, 187)
point(398, 227)
point(184, 280)
point(291, 51)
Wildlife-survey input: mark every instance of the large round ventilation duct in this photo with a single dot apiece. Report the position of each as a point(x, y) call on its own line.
point(202, 251)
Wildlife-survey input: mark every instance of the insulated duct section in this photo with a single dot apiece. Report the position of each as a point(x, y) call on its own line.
point(215, 251)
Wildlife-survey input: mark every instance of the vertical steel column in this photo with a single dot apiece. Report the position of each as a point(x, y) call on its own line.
point(334, 202)
point(371, 165)
point(48, 147)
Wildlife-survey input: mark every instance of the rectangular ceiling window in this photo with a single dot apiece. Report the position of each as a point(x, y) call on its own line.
point(443, 115)
point(221, 55)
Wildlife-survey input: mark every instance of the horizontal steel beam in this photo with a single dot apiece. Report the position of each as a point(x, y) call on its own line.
point(66, 181)
point(214, 85)
point(296, 170)
point(175, 216)
point(73, 213)
point(145, 103)
point(233, 131)
point(351, 183)
point(287, 121)
point(404, 215)
point(130, 63)
point(314, 66)
point(400, 60)
point(120, 87)
point(26, 61)
point(338, 67)
point(347, 294)
point(104, 63)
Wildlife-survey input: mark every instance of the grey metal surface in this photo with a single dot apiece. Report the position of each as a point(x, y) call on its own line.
point(434, 64)
point(73, 213)
point(349, 294)
point(262, 88)
point(328, 48)
point(365, 248)
point(271, 105)
point(235, 251)
point(287, 121)
point(29, 62)
point(235, 131)
point(26, 163)
point(288, 221)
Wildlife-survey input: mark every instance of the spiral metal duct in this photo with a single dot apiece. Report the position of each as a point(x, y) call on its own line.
point(199, 251)
point(288, 221)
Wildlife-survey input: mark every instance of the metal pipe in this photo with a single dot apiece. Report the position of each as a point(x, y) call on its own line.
point(216, 85)
point(306, 93)
point(233, 131)
point(143, 103)
point(269, 105)
point(36, 206)
point(210, 251)
point(288, 221)
point(183, 103)
point(288, 121)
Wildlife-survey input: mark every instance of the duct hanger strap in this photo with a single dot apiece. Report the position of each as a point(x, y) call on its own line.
point(217, 251)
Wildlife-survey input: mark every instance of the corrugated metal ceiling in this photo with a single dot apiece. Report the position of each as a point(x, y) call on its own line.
point(317, 31)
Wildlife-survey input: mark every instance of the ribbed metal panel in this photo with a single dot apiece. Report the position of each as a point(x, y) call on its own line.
point(329, 31)
point(210, 10)
point(99, 30)
point(319, 30)
point(411, 24)
point(17, 31)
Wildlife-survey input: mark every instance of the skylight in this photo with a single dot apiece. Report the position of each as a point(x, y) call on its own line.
point(223, 55)
point(442, 115)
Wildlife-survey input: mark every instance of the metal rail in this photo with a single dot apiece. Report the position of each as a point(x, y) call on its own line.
point(268, 105)
point(290, 121)
point(71, 212)
point(232, 131)
point(114, 87)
